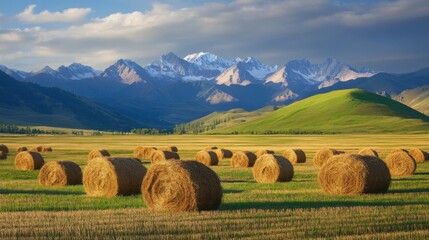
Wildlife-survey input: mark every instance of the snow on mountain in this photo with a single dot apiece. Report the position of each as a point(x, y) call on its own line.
point(13, 73)
point(323, 75)
point(126, 71)
point(209, 61)
point(77, 71)
point(218, 96)
point(257, 69)
point(236, 74)
point(49, 71)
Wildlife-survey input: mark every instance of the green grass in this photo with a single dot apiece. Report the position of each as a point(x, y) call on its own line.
point(296, 209)
point(344, 111)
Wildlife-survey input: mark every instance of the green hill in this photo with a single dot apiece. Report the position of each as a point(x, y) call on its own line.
point(29, 104)
point(343, 111)
point(417, 98)
point(222, 120)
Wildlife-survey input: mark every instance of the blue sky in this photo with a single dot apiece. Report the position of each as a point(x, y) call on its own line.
point(386, 35)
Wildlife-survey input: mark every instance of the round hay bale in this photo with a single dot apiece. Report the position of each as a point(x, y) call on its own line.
point(181, 186)
point(143, 152)
point(243, 159)
point(33, 149)
point(170, 149)
point(159, 155)
point(21, 149)
point(219, 153)
point(426, 155)
point(417, 154)
point(29, 161)
point(400, 163)
point(399, 150)
point(3, 155)
point(46, 149)
point(323, 155)
point(227, 153)
point(262, 152)
point(210, 148)
point(270, 168)
point(295, 155)
point(112, 176)
point(98, 153)
point(4, 148)
point(208, 158)
point(39, 148)
point(350, 174)
point(368, 152)
point(60, 173)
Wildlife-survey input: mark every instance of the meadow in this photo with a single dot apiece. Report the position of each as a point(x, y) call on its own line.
point(293, 210)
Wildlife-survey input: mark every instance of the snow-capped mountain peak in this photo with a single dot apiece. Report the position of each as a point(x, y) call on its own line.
point(257, 69)
point(209, 61)
point(77, 71)
point(126, 71)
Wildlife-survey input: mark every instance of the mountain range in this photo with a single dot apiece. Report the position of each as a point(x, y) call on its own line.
point(172, 90)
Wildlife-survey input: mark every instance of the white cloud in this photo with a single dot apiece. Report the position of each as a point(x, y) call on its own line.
point(68, 15)
point(274, 31)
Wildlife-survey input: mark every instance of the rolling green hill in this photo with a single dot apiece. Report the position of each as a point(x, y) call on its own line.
point(343, 111)
point(417, 98)
point(29, 104)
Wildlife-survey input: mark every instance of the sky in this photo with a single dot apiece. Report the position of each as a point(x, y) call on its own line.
point(385, 35)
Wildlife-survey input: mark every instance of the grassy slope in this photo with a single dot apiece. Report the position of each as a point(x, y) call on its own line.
point(296, 209)
point(417, 98)
point(339, 111)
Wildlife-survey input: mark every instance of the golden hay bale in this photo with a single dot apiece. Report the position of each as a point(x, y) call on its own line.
point(39, 148)
point(243, 159)
point(21, 149)
point(29, 161)
point(143, 152)
point(3, 155)
point(322, 156)
point(210, 148)
point(262, 152)
point(270, 168)
point(349, 174)
point(208, 158)
point(98, 153)
point(418, 155)
point(400, 163)
point(33, 149)
point(368, 152)
point(219, 153)
point(398, 150)
point(4, 148)
point(170, 149)
point(181, 186)
point(159, 155)
point(295, 155)
point(46, 149)
point(112, 176)
point(60, 173)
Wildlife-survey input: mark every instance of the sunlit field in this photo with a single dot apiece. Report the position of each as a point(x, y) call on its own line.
point(297, 209)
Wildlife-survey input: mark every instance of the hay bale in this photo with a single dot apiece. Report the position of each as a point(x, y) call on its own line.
point(3, 155)
point(112, 176)
point(263, 151)
point(426, 155)
point(295, 155)
point(21, 149)
point(350, 174)
point(39, 148)
point(181, 186)
point(210, 148)
point(368, 152)
point(4, 148)
point(418, 155)
point(219, 153)
point(33, 149)
point(160, 155)
point(243, 159)
point(143, 152)
point(96, 153)
point(46, 149)
point(400, 163)
point(399, 150)
point(226, 153)
point(208, 158)
point(170, 149)
point(60, 173)
point(29, 161)
point(322, 156)
point(270, 168)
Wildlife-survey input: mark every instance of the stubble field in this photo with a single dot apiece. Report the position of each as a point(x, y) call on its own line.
point(292, 210)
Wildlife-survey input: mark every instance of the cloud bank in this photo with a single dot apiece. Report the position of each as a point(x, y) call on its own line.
point(68, 15)
point(385, 36)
